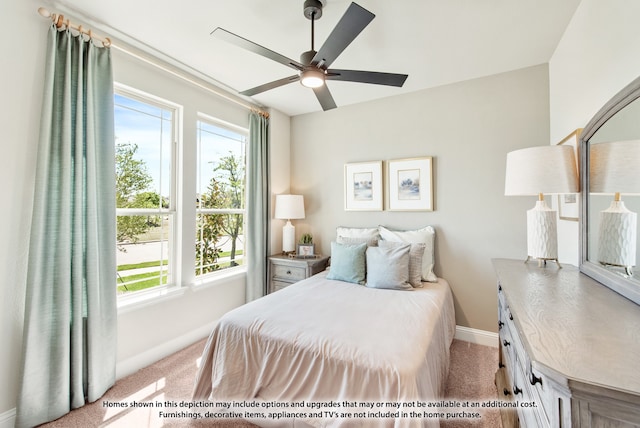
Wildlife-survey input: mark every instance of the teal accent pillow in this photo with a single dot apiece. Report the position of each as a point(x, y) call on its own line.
point(388, 267)
point(348, 263)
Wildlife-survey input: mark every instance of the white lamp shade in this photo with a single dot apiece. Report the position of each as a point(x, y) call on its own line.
point(542, 169)
point(289, 207)
point(613, 167)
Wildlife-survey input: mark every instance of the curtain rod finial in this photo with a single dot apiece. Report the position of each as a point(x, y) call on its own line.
point(44, 12)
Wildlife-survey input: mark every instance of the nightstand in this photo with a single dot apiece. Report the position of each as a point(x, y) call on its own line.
point(284, 270)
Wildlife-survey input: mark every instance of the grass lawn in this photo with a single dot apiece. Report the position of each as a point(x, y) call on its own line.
point(141, 281)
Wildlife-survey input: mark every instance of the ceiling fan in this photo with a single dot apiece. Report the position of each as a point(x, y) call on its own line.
point(313, 68)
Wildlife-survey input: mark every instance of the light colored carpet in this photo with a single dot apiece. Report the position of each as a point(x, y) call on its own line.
point(471, 378)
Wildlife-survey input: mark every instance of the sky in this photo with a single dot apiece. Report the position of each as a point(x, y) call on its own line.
point(150, 127)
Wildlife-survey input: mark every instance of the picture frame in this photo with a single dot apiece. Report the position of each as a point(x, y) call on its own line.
point(410, 184)
point(305, 251)
point(363, 186)
point(569, 203)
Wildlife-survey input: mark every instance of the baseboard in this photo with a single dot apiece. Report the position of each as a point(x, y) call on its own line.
point(479, 337)
point(8, 419)
point(133, 364)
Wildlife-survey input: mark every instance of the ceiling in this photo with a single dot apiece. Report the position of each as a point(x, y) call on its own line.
point(435, 42)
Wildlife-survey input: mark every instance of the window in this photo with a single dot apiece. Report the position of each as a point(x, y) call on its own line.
point(220, 204)
point(146, 135)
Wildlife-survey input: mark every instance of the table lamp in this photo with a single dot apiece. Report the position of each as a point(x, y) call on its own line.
point(289, 207)
point(614, 168)
point(538, 171)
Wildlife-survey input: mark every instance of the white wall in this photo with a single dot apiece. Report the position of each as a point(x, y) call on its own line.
point(468, 127)
point(597, 56)
point(145, 333)
point(23, 52)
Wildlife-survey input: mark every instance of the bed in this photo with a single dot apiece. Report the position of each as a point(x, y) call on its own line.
point(329, 342)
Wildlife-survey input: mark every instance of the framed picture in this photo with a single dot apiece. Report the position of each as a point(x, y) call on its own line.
point(305, 250)
point(410, 184)
point(363, 186)
point(569, 203)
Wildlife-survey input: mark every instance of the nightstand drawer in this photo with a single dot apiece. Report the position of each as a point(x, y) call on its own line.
point(285, 272)
point(279, 285)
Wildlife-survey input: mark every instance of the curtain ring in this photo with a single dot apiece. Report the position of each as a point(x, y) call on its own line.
point(107, 42)
point(60, 21)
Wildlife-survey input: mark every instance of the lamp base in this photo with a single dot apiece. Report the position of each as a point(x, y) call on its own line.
point(288, 238)
point(617, 240)
point(542, 234)
point(543, 261)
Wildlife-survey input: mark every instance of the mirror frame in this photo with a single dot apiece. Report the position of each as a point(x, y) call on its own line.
point(624, 286)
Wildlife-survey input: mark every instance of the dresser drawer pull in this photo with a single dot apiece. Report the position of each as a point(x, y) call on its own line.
point(516, 390)
point(500, 324)
point(289, 272)
point(533, 379)
point(499, 287)
point(506, 391)
point(501, 366)
point(506, 343)
point(510, 316)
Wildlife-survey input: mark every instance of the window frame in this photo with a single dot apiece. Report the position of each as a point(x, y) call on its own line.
point(174, 279)
point(244, 132)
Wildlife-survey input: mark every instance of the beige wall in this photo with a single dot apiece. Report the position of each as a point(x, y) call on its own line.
point(597, 57)
point(468, 128)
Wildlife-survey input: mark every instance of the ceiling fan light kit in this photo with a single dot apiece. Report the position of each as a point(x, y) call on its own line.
point(313, 69)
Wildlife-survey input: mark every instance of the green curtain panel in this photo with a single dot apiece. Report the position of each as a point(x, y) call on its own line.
point(69, 343)
point(258, 212)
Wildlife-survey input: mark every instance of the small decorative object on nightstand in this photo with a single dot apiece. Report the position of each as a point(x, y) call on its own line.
point(306, 249)
point(284, 270)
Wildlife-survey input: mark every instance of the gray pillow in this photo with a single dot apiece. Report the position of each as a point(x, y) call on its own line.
point(416, 253)
point(348, 262)
point(388, 267)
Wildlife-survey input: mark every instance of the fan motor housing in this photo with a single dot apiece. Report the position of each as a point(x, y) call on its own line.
point(311, 6)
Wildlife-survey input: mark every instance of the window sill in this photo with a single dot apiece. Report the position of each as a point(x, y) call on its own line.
point(148, 298)
point(161, 294)
point(218, 278)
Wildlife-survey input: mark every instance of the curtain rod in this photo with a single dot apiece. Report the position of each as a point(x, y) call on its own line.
point(60, 22)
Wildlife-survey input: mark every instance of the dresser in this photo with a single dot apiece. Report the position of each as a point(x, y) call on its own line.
point(569, 353)
point(284, 270)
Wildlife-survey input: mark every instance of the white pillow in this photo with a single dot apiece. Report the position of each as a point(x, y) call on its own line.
point(368, 233)
point(426, 235)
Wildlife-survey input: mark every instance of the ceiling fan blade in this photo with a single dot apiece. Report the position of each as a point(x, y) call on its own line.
point(324, 97)
point(255, 48)
point(374, 77)
point(271, 85)
point(354, 20)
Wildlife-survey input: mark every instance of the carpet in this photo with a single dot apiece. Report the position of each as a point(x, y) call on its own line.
point(168, 382)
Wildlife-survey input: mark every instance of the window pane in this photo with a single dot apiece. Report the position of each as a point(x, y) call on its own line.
point(143, 154)
point(221, 198)
point(143, 263)
point(144, 181)
point(215, 249)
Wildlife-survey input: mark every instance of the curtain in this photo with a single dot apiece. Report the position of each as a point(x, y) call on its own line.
point(69, 342)
point(258, 212)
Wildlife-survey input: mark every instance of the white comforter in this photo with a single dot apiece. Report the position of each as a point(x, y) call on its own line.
point(325, 340)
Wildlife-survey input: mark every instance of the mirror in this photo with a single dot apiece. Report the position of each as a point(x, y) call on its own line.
point(610, 179)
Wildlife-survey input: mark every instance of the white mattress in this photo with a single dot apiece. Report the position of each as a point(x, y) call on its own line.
point(325, 340)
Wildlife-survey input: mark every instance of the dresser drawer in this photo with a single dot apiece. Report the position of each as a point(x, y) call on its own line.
point(289, 273)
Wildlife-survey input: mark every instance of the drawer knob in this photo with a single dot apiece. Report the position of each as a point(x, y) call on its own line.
point(506, 391)
point(288, 272)
point(533, 379)
point(505, 342)
point(516, 390)
point(500, 324)
point(501, 366)
point(510, 316)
